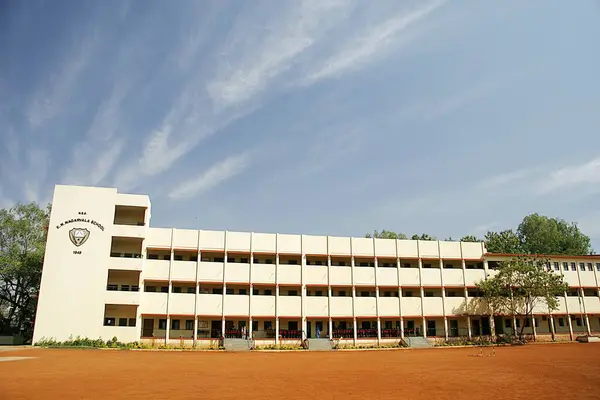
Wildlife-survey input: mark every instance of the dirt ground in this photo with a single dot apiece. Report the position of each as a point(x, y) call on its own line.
point(552, 371)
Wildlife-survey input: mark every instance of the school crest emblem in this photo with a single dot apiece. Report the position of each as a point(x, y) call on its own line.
point(79, 236)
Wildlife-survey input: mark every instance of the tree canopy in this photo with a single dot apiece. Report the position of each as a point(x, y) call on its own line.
point(520, 285)
point(22, 247)
point(536, 234)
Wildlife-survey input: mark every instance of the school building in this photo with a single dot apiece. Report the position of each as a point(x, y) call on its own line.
point(107, 274)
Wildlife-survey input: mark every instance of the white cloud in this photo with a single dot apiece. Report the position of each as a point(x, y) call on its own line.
point(54, 95)
point(570, 176)
point(368, 44)
point(218, 173)
point(287, 36)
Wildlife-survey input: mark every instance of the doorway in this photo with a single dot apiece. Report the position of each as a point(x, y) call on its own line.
point(476, 327)
point(431, 331)
point(148, 328)
point(319, 328)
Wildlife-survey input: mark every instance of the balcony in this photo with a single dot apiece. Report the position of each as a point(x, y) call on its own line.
point(409, 277)
point(341, 306)
point(289, 306)
point(181, 303)
point(209, 304)
point(126, 247)
point(130, 216)
point(431, 277)
point(237, 305)
point(341, 275)
point(263, 273)
point(317, 306)
point(122, 297)
point(125, 263)
point(156, 269)
point(122, 287)
point(366, 306)
point(153, 303)
point(411, 306)
point(263, 306)
point(389, 306)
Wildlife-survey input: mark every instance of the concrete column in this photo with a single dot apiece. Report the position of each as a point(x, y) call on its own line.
point(223, 327)
point(469, 333)
point(355, 330)
point(446, 328)
point(552, 328)
point(514, 321)
point(570, 327)
point(587, 325)
point(277, 314)
point(249, 328)
point(533, 327)
point(195, 330)
point(330, 330)
point(378, 331)
point(401, 327)
point(424, 328)
point(168, 330)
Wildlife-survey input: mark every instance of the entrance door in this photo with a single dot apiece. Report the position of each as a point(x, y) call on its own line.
point(410, 328)
point(319, 328)
point(476, 327)
point(453, 328)
point(148, 328)
point(215, 329)
point(431, 328)
point(499, 325)
point(485, 326)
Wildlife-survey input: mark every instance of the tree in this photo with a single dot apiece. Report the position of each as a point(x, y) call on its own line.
point(506, 242)
point(23, 230)
point(424, 236)
point(539, 234)
point(520, 285)
point(385, 234)
point(470, 238)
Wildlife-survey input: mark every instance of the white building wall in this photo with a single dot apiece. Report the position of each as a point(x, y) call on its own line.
point(83, 276)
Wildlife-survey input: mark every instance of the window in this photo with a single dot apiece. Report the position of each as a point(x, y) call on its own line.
point(131, 322)
point(268, 325)
point(175, 324)
point(109, 321)
point(450, 266)
point(178, 257)
point(135, 288)
point(556, 266)
point(122, 321)
point(598, 267)
point(573, 267)
point(112, 287)
point(189, 324)
point(292, 262)
point(408, 293)
point(230, 259)
point(176, 289)
point(191, 289)
point(256, 292)
point(387, 294)
point(293, 325)
point(561, 322)
point(164, 289)
point(507, 323)
point(242, 291)
point(162, 324)
point(152, 256)
point(426, 265)
point(565, 266)
point(254, 326)
point(590, 267)
point(244, 260)
point(582, 266)
point(268, 292)
point(268, 261)
point(318, 293)
point(217, 291)
point(342, 293)
point(451, 293)
point(405, 265)
point(428, 294)
point(292, 293)
point(229, 291)
point(527, 323)
point(194, 258)
point(150, 289)
point(470, 266)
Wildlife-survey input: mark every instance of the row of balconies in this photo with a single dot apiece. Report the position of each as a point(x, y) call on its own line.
point(315, 274)
point(316, 306)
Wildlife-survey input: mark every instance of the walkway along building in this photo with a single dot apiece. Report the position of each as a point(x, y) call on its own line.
point(108, 274)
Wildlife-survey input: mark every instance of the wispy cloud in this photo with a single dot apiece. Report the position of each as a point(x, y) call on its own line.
point(570, 176)
point(287, 36)
point(366, 45)
point(215, 175)
point(54, 95)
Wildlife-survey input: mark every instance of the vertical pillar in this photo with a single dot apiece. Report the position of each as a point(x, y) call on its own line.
point(587, 325)
point(469, 332)
point(514, 323)
point(223, 327)
point(570, 326)
point(330, 330)
point(446, 327)
point(378, 331)
point(424, 327)
point(552, 328)
point(402, 327)
point(249, 329)
point(277, 314)
point(533, 327)
point(168, 331)
point(277, 331)
point(354, 324)
point(195, 337)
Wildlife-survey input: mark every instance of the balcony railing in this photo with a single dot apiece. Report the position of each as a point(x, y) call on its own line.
point(126, 255)
point(290, 334)
point(130, 223)
point(123, 288)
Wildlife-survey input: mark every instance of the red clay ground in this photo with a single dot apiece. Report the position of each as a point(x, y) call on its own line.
point(552, 371)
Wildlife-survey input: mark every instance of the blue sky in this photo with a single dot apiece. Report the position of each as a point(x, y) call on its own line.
point(329, 117)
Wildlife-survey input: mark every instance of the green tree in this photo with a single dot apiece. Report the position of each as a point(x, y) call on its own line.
point(520, 285)
point(506, 242)
point(385, 234)
point(423, 236)
point(23, 230)
point(470, 238)
point(539, 234)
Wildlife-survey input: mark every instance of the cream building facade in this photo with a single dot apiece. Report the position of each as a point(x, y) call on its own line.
point(108, 274)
